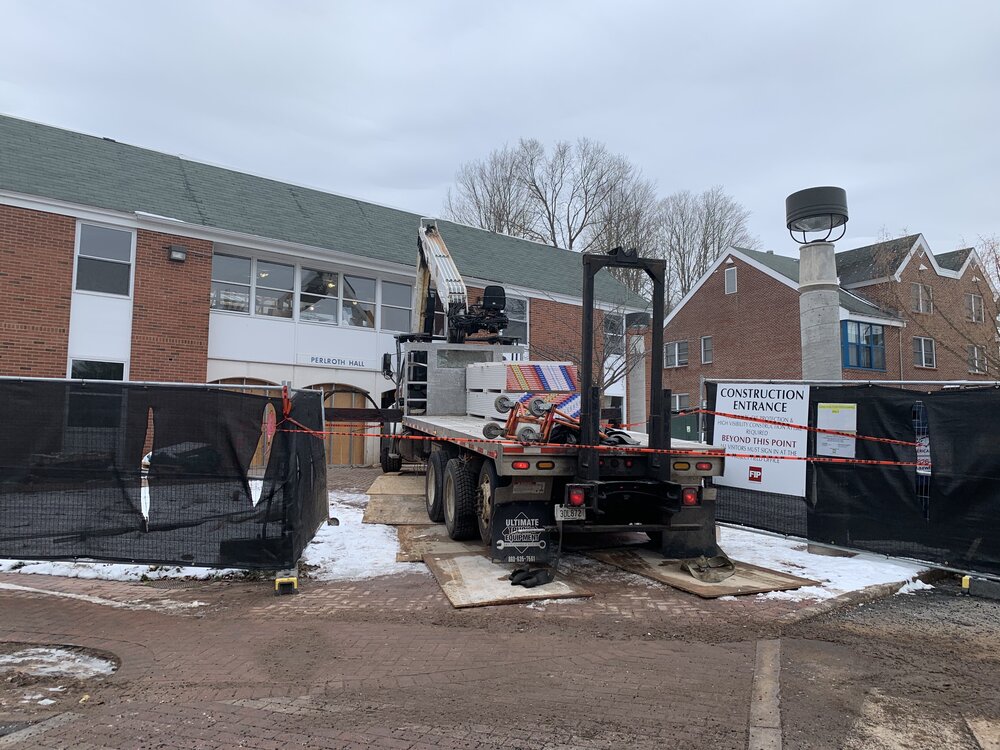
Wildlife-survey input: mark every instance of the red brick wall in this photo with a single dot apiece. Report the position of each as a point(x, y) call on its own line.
point(947, 324)
point(755, 332)
point(36, 276)
point(170, 310)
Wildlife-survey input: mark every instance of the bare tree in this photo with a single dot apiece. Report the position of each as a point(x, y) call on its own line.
point(988, 249)
point(695, 230)
point(575, 196)
point(491, 194)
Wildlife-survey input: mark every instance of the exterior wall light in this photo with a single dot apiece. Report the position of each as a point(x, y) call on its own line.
point(177, 253)
point(818, 210)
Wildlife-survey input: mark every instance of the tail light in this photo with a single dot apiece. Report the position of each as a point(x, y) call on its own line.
point(521, 465)
point(689, 496)
point(576, 496)
point(703, 466)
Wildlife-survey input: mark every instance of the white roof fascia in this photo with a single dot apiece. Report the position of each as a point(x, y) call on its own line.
point(731, 253)
point(846, 314)
point(65, 208)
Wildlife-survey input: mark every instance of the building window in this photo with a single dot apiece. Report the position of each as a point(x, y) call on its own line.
point(679, 401)
point(517, 317)
point(977, 359)
point(358, 307)
point(90, 369)
point(675, 354)
point(614, 334)
point(921, 298)
point(974, 308)
point(862, 345)
point(731, 280)
point(923, 352)
point(397, 302)
point(104, 260)
point(707, 350)
point(230, 283)
point(274, 290)
point(319, 296)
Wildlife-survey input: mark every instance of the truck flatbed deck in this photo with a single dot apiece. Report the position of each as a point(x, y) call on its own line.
point(468, 432)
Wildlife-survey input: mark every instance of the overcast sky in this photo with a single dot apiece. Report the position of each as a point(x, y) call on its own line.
point(898, 102)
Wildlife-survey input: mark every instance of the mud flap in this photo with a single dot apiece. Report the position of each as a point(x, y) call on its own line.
point(521, 533)
point(700, 542)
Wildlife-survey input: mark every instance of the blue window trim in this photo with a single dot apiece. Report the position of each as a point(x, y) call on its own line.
point(845, 347)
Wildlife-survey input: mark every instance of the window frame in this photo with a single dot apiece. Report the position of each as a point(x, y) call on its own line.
point(382, 305)
point(619, 335)
point(302, 268)
point(970, 308)
point(923, 353)
point(847, 346)
point(711, 347)
point(677, 354)
point(78, 235)
point(977, 357)
point(102, 360)
point(298, 268)
point(917, 298)
point(527, 318)
point(257, 286)
point(734, 269)
point(675, 401)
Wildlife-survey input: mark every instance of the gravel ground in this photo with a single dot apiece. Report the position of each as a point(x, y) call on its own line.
point(919, 663)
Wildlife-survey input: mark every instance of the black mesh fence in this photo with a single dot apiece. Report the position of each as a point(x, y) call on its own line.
point(939, 503)
point(158, 474)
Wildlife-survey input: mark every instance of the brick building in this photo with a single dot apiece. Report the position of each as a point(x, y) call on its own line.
point(905, 314)
point(121, 263)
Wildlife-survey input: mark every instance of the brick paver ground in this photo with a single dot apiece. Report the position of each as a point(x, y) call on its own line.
point(386, 663)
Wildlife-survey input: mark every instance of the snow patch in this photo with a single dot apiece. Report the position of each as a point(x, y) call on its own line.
point(353, 550)
point(58, 662)
point(837, 575)
point(912, 587)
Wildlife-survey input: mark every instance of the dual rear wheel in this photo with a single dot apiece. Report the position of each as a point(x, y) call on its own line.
point(461, 497)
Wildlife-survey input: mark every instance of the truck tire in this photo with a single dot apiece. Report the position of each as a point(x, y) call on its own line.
point(459, 500)
point(389, 463)
point(434, 485)
point(485, 494)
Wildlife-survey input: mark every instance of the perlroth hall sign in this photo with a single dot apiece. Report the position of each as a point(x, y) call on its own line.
point(771, 446)
point(326, 360)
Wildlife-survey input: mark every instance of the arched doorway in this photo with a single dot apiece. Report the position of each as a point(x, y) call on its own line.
point(347, 446)
point(258, 464)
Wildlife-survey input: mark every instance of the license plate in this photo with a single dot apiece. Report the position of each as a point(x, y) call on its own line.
point(569, 513)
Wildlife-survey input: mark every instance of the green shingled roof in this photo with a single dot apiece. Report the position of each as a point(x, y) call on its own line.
point(954, 260)
point(48, 162)
point(789, 268)
point(873, 261)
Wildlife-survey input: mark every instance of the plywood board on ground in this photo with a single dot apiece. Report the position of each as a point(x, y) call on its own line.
point(409, 485)
point(748, 579)
point(417, 541)
point(396, 510)
point(475, 581)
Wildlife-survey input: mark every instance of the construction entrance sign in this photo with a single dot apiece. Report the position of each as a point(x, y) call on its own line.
point(770, 444)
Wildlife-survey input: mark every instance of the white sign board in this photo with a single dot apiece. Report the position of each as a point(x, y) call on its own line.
point(839, 417)
point(767, 471)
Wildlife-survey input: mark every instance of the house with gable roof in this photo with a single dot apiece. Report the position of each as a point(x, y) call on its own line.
point(905, 314)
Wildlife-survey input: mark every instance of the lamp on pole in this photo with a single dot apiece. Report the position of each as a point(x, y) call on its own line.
point(816, 214)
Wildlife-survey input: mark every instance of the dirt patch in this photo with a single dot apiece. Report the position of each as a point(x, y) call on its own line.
point(37, 681)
